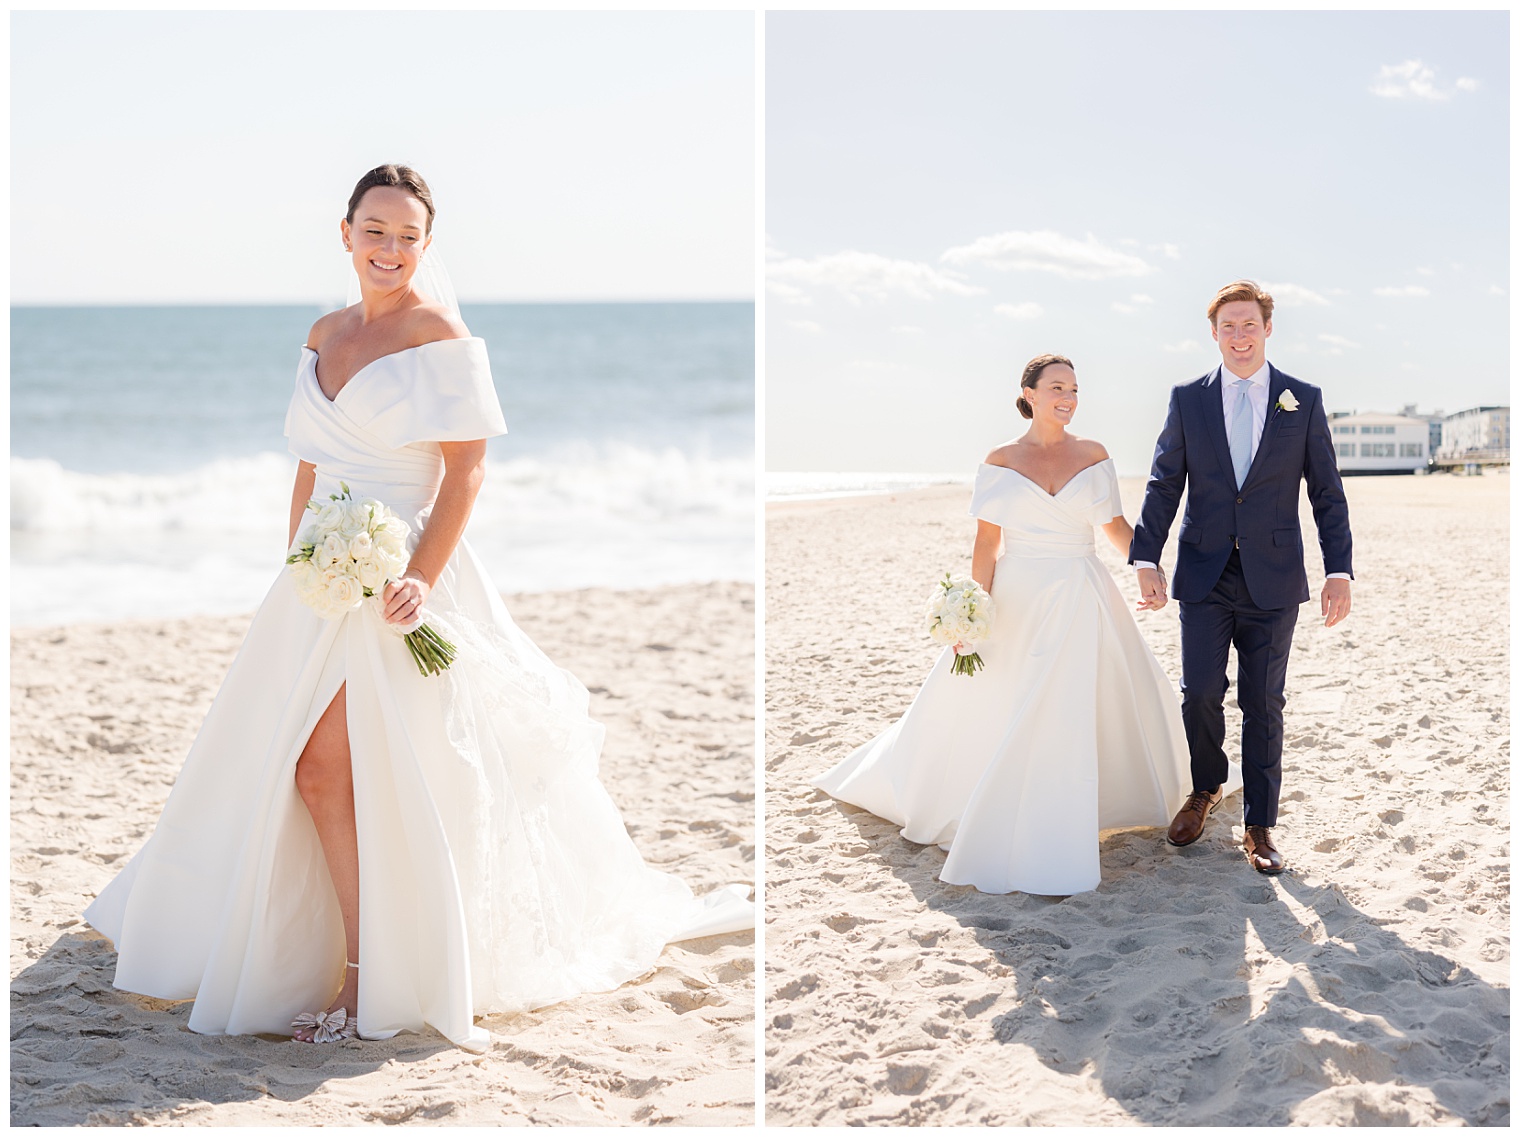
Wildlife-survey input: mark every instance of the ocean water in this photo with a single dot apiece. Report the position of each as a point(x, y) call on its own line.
point(150, 476)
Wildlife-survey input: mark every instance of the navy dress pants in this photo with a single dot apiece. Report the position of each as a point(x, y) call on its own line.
point(1262, 638)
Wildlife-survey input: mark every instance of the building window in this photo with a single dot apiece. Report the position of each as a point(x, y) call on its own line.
point(1345, 430)
point(1411, 450)
point(1345, 449)
point(1378, 449)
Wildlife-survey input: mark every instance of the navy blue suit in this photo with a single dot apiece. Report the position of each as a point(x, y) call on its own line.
point(1240, 565)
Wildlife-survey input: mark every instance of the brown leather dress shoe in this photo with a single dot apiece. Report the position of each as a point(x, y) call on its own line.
point(1187, 826)
point(1260, 851)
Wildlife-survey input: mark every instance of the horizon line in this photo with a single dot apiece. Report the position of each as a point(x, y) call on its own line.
point(324, 303)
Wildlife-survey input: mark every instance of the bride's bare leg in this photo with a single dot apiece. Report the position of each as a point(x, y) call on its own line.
point(325, 781)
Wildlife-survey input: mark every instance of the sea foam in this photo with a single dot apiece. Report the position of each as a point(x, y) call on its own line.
point(210, 540)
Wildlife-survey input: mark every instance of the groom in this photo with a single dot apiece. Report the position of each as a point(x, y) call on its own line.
point(1240, 439)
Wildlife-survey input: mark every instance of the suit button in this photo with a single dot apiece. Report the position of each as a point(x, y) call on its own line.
point(1240, 501)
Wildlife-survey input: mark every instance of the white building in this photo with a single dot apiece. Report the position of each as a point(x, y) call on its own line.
point(1478, 431)
point(1373, 443)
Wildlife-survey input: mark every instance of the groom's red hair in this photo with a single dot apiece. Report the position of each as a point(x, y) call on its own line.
point(1242, 290)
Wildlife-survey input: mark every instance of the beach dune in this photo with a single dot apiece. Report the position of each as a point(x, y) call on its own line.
point(1367, 985)
point(102, 716)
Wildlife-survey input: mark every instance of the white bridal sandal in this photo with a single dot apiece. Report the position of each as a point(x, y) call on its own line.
point(328, 1026)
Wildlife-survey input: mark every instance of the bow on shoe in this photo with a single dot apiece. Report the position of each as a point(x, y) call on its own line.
point(327, 1026)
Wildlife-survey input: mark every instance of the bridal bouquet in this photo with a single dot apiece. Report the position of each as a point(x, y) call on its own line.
point(349, 552)
point(960, 612)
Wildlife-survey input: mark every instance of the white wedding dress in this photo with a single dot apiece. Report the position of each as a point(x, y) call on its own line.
point(1070, 729)
point(495, 872)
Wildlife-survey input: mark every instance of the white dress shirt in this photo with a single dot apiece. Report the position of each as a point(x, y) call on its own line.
point(1229, 393)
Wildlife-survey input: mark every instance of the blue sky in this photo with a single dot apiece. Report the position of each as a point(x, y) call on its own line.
point(173, 156)
point(948, 195)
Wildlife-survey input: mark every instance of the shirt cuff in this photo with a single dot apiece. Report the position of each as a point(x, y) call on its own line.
point(1337, 576)
point(1144, 564)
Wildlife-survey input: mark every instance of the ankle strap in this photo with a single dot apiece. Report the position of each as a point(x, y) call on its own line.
point(355, 966)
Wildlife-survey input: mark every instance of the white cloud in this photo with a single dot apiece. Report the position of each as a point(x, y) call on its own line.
point(1028, 310)
point(1412, 79)
point(1169, 251)
point(1422, 271)
point(1133, 304)
point(1408, 290)
point(860, 276)
point(787, 293)
point(908, 330)
point(1495, 290)
point(1338, 343)
point(806, 326)
point(1294, 295)
point(1181, 346)
point(1047, 251)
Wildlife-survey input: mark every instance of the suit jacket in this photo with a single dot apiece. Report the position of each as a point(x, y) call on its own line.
point(1261, 515)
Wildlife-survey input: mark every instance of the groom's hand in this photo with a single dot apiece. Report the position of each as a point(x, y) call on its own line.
point(1335, 601)
point(1152, 590)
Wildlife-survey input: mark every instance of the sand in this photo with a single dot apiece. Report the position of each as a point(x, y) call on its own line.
point(1368, 985)
point(101, 718)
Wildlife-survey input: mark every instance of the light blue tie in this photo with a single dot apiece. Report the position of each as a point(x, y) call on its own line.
point(1240, 431)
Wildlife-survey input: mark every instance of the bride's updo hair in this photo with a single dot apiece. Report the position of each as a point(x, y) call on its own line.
point(1031, 378)
point(402, 177)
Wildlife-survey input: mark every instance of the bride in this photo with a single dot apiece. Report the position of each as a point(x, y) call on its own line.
point(432, 848)
point(1072, 726)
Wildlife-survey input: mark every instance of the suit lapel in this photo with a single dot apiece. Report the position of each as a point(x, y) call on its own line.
point(1213, 414)
point(1276, 385)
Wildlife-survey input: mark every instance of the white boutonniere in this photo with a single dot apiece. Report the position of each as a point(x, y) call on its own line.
point(1287, 402)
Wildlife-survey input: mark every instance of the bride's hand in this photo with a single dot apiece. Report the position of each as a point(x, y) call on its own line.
point(404, 599)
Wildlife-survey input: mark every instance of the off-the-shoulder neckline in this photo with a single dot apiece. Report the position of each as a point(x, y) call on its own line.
point(347, 383)
point(1042, 489)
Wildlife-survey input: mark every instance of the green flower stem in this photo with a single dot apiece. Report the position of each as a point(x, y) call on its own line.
point(967, 664)
point(431, 652)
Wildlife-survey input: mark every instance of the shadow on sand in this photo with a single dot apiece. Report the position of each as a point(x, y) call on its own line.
point(85, 1053)
point(1198, 992)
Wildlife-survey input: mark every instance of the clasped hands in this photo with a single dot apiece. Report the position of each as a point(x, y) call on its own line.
point(1152, 590)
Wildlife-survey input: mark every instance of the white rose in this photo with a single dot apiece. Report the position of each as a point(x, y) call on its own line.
point(362, 546)
point(335, 547)
point(306, 575)
point(344, 592)
point(329, 516)
point(392, 528)
point(372, 574)
point(353, 522)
